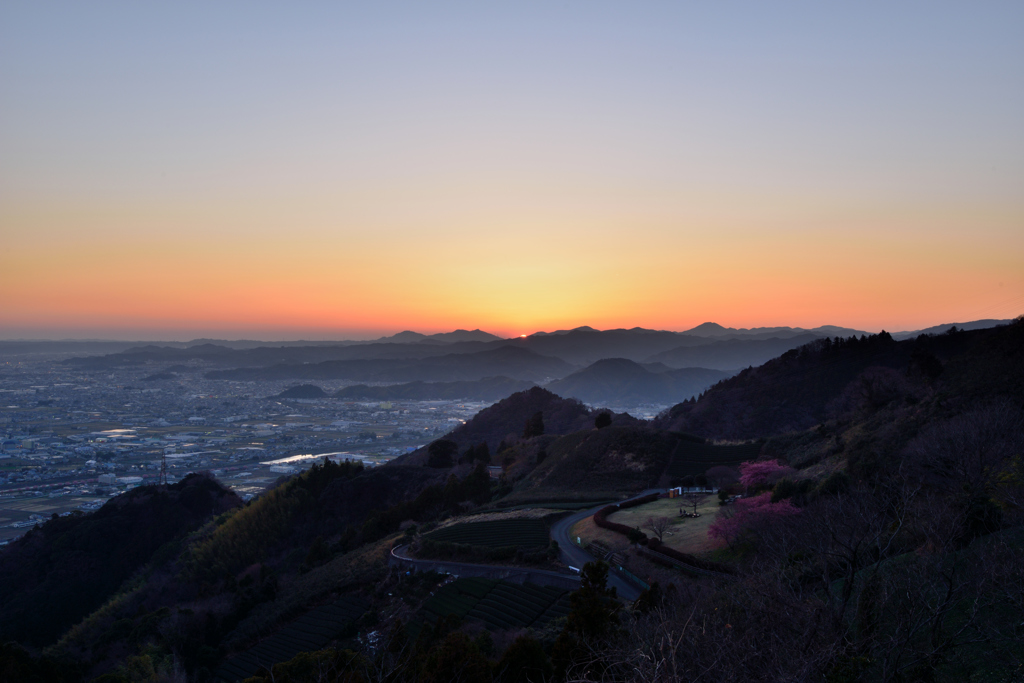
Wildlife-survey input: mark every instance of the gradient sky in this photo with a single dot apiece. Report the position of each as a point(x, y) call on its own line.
point(328, 170)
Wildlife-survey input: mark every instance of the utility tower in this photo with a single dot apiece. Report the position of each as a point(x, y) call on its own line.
point(163, 473)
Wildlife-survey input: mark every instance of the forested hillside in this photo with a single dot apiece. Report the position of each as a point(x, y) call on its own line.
point(805, 386)
point(506, 420)
point(56, 574)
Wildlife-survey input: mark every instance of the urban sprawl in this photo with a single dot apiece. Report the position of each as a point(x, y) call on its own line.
point(73, 439)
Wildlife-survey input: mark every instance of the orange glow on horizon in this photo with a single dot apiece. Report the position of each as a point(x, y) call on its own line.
point(95, 268)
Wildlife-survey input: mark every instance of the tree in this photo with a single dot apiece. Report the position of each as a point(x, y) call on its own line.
point(477, 485)
point(657, 525)
point(442, 453)
point(478, 452)
point(593, 613)
point(603, 419)
point(694, 498)
point(756, 474)
point(747, 514)
point(593, 606)
point(534, 426)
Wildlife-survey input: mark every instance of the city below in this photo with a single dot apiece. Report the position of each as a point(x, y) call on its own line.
point(71, 439)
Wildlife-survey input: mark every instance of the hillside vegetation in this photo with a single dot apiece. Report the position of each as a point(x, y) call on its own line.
point(505, 421)
point(805, 386)
point(57, 573)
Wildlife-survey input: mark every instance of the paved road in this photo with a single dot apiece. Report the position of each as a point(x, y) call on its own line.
point(571, 554)
point(541, 577)
point(575, 556)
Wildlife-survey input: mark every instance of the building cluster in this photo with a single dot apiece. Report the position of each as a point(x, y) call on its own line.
point(69, 438)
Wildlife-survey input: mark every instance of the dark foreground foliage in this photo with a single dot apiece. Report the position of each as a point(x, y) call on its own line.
point(60, 572)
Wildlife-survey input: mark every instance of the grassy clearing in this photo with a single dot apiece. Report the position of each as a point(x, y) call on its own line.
point(685, 535)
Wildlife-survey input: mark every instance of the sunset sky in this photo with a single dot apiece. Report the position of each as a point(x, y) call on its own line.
point(346, 170)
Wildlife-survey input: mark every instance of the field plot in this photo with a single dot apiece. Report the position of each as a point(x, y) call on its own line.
point(498, 604)
point(510, 605)
point(521, 533)
point(312, 631)
point(687, 535)
point(692, 458)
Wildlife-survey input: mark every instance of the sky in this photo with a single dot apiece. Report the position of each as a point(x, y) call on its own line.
point(346, 170)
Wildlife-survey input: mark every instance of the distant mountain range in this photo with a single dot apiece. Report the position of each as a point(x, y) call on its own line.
point(410, 337)
point(942, 329)
point(732, 353)
point(612, 382)
point(618, 367)
point(716, 330)
point(620, 382)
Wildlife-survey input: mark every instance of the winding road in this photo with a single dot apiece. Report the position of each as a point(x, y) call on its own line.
point(575, 556)
point(571, 554)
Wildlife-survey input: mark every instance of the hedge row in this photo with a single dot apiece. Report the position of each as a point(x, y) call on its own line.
point(601, 516)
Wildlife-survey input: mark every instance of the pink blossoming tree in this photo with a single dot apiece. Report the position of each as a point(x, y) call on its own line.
point(750, 514)
point(755, 474)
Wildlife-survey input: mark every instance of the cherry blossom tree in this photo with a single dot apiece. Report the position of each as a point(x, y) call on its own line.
point(749, 513)
point(755, 474)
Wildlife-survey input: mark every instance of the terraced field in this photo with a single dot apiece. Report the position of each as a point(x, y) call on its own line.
point(692, 458)
point(498, 604)
point(520, 533)
point(310, 632)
